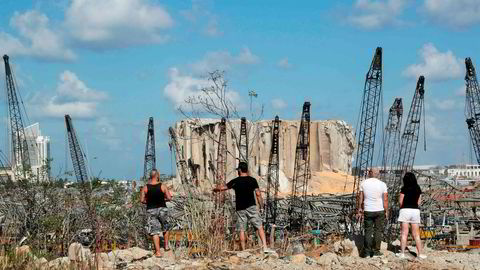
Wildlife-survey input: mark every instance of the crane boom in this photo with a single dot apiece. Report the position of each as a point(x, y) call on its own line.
point(183, 171)
point(408, 147)
point(472, 104)
point(150, 162)
point(368, 121)
point(301, 174)
point(392, 140)
point(221, 170)
point(243, 142)
point(78, 160)
point(273, 175)
point(20, 155)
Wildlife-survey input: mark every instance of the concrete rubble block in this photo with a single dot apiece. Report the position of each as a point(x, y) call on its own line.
point(148, 263)
point(244, 254)
point(169, 255)
point(22, 251)
point(328, 259)
point(298, 258)
point(59, 263)
point(383, 246)
point(139, 253)
point(272, 255)
point(297, 248)
point(396, 243)
point(345, 247)
point(234, 260)
point(41, 263)
point(77, 253)
point(123, 255)
point(102, 260)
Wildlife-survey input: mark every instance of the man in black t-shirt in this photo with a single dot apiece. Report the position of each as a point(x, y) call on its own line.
point(245, 186)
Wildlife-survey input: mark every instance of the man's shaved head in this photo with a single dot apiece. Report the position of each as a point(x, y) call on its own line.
point(153, 173)
point(373, 172)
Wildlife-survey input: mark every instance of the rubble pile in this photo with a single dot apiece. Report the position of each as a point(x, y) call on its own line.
point(339, 255)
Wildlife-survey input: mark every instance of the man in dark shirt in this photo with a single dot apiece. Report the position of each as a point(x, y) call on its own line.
point(246, 209)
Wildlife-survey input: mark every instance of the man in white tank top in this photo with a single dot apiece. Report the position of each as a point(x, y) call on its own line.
point(373, 207)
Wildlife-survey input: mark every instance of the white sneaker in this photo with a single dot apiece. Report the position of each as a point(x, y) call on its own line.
point(401, 255)
point(422, 256)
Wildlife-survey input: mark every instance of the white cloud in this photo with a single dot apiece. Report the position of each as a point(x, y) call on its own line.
point(182, 87)
point(444, 105)
point(461, 91)
point(279, 104)
point(375, 14)
point(224, 60)
point(201, 15)
point(72, 88)
point(77, 109)
point(212, 28)
point(36, 38)
point(434, 129)
point(456, 13)
point(436, 65)
point(107, 133)
point(117, 23)
point(72, 97)
point(283, 63)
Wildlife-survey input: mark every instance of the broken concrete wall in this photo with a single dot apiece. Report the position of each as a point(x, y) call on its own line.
point(331, 147)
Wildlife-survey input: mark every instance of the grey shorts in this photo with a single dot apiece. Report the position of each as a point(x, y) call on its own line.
point(157, 221)
point(250, 214)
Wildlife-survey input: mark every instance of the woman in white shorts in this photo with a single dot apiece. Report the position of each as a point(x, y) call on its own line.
point(410, 197)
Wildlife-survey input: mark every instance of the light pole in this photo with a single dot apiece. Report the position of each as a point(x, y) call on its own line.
point(252, 94)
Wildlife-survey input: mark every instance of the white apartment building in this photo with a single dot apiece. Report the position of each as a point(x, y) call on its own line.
point(39, 150)
point(464, 171)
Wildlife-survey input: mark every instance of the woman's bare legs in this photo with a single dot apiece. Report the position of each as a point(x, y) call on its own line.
point(404, 236)
point(416, 236)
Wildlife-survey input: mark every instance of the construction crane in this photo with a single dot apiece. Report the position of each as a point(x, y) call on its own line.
point(78, 158)
point(149, 164)
point(392, 138)
point(273, 175)
point(221, 170)
point(243, 141)
point(184, 173)
point(408, 147)
point(20, 155)
point(368, 122)
point(80, 169)
point(301, 173)
point(472, 106)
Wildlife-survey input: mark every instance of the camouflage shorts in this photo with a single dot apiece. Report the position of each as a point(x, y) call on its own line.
point(248, 215)
point(157, 220)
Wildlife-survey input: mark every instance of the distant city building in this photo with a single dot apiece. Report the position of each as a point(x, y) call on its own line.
point(39, 150)
point(464, 171)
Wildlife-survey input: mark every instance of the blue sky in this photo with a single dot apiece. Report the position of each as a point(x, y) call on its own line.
point(111, 64)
